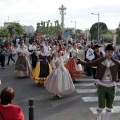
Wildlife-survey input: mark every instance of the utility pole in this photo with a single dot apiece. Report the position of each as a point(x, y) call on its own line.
point(98, 23)
point(62, 12)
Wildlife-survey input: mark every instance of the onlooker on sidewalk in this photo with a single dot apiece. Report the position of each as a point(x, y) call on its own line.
point(8, 111)
point(2, 55)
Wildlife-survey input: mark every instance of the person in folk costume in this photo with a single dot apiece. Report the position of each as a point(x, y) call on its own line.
point(43, 68)
point(6, 44)
point(22, 66)
point(2, 55)
point(10, 51)
point(92, 45)
point(89, 57)
point(22, 41)
point(97, 55)
point(53, 51)
point(38, 47)
point(81, 54)
point(74, 69)
point(47, 50)
point(107, 69)
point(38, 41)
point(33, 50)
point(59, 80)
point(61, 47)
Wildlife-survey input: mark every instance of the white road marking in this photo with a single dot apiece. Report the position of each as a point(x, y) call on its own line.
point(116, 109)
point(94, 99)
point(84, 84)
point(90, 90)
point(86, 90)
point(87, 80)
point(87, 84)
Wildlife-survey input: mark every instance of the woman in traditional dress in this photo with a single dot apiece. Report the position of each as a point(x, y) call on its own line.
point(22, 65)
point(42, 69)
point(74, 69)
point(59, 81)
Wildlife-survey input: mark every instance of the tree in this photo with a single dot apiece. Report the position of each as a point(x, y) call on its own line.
point(118, 30)
point(108, 36)
point(47, 28)
point(79, 31)
point(4, 32)
point(94, 29)
point(15, 29)
point(118, 34)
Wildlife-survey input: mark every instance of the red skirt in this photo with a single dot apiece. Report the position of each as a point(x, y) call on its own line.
point(71, 66)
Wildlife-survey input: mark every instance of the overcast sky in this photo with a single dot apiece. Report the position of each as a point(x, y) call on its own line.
point(29, 12)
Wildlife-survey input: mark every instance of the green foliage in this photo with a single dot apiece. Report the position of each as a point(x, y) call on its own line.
point(79, 31)
point(47, 28)
point(4, 32)
point(107, 36)
point(118, 32)
point(103, 29)
point(15, 29)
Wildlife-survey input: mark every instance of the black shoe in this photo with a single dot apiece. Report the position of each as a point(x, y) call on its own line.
point(3, 68)
point(55, 96)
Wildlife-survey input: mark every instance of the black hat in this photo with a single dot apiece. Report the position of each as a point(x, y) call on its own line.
point(109, 47)
point(96, 46)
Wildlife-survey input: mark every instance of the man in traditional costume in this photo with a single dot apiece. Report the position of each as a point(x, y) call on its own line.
point(107, 69)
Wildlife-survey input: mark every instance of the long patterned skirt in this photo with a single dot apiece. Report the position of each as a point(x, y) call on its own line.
point(40, 72)
point(22, 67)
point(74, 69)
point(60, 82)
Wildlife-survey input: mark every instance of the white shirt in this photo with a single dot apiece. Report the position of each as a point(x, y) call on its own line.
point(24, 46)
point(90, 54)
point(17, 41)
point(23, 51)
point(32, 47)
point(47, 48)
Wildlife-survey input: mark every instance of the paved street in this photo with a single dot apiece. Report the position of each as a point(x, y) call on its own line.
point(79, 105)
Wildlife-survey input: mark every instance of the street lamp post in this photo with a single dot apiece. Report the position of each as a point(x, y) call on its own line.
point(75, 28)
point(98, 23)
point(62, 12)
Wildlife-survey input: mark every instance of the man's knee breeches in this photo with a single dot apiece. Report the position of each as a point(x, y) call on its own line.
point(105, 96)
